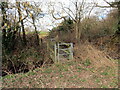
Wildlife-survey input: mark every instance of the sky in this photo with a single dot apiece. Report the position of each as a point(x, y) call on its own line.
point(100, 12)
point(47, 22)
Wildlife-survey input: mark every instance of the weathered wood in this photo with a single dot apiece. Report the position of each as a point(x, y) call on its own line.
point(64, 54)
point(55, 52)
point(71, 50)
point(66, 51)
point(58, 52)
point(64, 43)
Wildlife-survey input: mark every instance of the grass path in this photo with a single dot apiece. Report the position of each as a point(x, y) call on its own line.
point(70, 74)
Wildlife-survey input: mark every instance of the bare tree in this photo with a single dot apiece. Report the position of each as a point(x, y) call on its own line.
point(34, 12)
point(81, 8)
point(115, 4)
point(4, 5)
point(22, 24)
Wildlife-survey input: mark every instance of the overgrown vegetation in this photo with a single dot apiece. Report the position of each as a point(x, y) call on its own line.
point(21, 51)
point(69, 74)
point(27, 53)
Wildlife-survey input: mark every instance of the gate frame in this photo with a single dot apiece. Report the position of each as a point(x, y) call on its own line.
point(57, 51)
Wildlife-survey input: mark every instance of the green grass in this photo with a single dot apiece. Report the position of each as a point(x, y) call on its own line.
point(103, 86)
point(97, 80)
point(61, 67)
point(82, 80)
point(8, 77)
point(61, 76)
point(43, 32)
point(70, 74)
point(87, 62)
point(47, 70)
point(30, 73)
point(104, 73)
point(113, 84)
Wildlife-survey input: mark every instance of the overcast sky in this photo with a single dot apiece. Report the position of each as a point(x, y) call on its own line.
point(48, 22)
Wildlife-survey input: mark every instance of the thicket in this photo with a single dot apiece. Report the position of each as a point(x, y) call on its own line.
point(22, 52)
point(91, 27)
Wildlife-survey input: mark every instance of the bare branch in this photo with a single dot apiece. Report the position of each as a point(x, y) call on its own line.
point(68, 13)
point(91, 10)
point(62, 17)
point(110, 5)
point(103, 6)
point(69, 10)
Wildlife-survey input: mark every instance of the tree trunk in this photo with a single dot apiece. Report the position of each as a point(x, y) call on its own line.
point(4, 21)
point(119, 18)
point(36, 33)
point(37, 36)
point(22, 24)
point(24, 35)
point(76, 30)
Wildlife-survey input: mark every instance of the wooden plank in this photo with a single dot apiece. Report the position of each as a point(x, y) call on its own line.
point(64, 44)
point(65, 54)
point(58, 52)
point(55, 52)
point(71, 50)
point(64, 49)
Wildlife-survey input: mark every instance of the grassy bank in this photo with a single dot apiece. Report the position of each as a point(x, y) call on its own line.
point(69, 74)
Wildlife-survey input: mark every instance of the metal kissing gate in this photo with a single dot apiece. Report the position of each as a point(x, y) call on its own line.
point(63, 50)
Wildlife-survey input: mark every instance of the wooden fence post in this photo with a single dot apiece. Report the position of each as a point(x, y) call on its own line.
point(58, 52)
point(71, 50)
point(55, 52)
